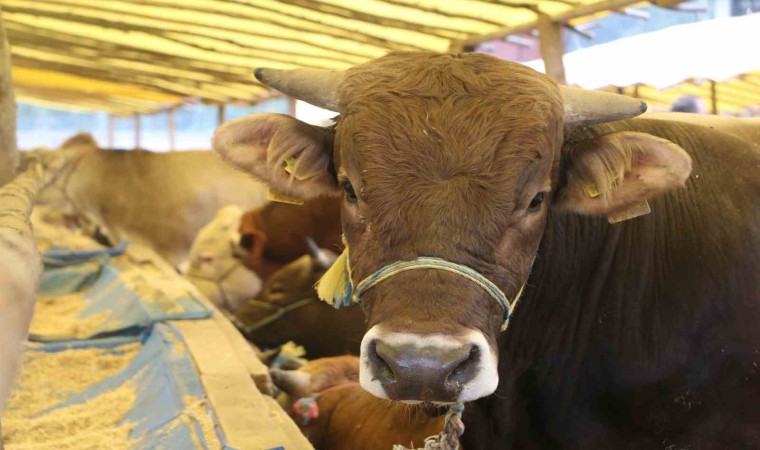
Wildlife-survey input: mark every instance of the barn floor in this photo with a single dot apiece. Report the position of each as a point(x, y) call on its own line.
point(125, 354)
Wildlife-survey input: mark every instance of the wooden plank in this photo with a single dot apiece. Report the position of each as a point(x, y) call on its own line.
point(552, 47)
point(243, 413)
point(256, 369)
point(226, 363)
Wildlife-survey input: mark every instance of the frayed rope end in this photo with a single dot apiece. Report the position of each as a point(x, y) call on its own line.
point(335, 286)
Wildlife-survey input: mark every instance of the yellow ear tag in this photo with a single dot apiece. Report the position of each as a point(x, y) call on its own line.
point(290, 167)
point(282, 198)
point(591, 190)
point(639, 209)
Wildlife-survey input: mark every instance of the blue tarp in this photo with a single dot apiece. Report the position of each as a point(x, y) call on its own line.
point(166, 386)
point(169, 405)
point(105, 291)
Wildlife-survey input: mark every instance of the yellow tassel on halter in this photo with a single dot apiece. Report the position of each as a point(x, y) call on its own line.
point(335, 286)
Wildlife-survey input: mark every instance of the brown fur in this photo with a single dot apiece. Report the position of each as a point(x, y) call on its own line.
point(320, 328)
point(350, 418)
point(637, 335)
point(277, 232)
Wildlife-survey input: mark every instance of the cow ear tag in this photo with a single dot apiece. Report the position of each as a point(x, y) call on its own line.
point(639, 209)
point(290, 167)
point(335, 286)
point(282, 198)
point(591, 190)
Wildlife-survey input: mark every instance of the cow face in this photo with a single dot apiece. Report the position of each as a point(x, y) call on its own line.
point(457, 157)
point(214, 265)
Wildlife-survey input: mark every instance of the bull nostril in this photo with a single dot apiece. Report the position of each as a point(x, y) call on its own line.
point(379, 359)
point(466, 368)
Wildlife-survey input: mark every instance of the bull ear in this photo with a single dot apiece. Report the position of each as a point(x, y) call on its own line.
point(293, 157)
point(616, 173)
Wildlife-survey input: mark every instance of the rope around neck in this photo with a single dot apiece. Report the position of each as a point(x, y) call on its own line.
point(448, 439)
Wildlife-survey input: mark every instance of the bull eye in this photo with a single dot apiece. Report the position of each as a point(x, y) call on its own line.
point(535, 204)
point(349, 190)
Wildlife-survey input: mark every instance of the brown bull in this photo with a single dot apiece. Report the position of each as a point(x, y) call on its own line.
point(637, 334)
point(347, 417)
point(276, 234)
point(287, 309)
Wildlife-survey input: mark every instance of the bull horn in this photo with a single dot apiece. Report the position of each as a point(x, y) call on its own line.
point(317, 87)
point(585, 107)
point(322, 258)
point(290, 381)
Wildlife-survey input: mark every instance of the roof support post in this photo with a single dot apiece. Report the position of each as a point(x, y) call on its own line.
point(220, 115)
point(291, 106)
point(111, 127)
point(170, 125)
point(552, 47)
point(714, 97)
point(137, 131)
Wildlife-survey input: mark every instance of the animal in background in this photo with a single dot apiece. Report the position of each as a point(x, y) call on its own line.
point(287, 309)
point(326, 401)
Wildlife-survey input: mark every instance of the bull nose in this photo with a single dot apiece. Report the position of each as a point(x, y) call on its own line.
point(410, 372)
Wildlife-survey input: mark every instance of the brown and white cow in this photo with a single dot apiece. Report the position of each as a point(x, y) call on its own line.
point(277, 233)
point(346, 416)
point(636, 334)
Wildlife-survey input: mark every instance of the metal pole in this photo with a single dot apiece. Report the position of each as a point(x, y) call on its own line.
point(170, 117)
point(291, 106)
point(111, 126)
point(220, 115)
point(137, 131)
point(714, 97)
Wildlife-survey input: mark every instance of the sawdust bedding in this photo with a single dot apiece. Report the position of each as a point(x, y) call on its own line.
point(58, 317)
point(48, 379)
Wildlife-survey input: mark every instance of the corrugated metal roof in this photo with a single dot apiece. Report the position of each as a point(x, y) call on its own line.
point(143, 55)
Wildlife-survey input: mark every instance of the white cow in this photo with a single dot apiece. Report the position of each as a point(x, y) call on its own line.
point(158, 199)
point(214, 265)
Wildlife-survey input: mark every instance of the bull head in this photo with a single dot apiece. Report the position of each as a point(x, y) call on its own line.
point(320, 88)
point(457, 157)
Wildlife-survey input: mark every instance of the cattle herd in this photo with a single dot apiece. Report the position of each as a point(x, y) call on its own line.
point(626, 249)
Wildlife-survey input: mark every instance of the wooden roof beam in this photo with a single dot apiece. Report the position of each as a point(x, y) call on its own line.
point(248, 50)
point(335, 10)
point(314, 27)
point(129, 52)
point(572, 13)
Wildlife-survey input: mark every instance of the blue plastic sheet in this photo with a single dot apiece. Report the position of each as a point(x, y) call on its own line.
point(169, 402)
point(105, 290)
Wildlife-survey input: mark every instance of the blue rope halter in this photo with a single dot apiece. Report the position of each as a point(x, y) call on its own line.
point(426, 262)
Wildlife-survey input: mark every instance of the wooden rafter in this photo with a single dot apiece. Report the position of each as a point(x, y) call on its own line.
point(312, 25)
point(245, 49)
point(346, 13)
point(21, 31)
point(442, 12)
